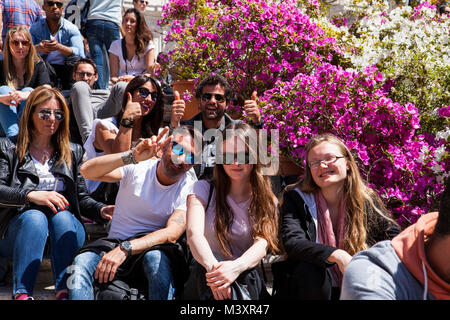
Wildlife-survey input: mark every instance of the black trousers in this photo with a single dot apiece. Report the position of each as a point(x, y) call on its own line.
point(301, 280)
point(64, 79)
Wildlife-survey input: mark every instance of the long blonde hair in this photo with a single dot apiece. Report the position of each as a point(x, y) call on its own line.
point(60, 139)
point(263, 212)
point(357, 195)
point(9, 69)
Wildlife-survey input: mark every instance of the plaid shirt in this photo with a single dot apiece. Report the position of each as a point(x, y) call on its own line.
point(19, 12)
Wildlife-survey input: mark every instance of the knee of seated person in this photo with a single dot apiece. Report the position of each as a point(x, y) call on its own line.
point(154, 259)
point(80, 87)
point(35, 219)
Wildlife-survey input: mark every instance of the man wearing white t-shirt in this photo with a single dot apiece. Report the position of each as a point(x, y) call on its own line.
point(151, 200)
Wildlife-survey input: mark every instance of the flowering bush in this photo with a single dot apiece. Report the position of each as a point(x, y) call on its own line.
point(253, 43)
point(397, 162)
point(315, 77)
point(410, 47)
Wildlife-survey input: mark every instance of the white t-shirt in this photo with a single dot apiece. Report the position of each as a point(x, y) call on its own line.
point(135, 66)
point(47, 180)
point(143, 204)
point(240, 234)
point(91, 152)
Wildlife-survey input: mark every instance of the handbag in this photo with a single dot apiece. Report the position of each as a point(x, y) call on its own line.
point(117, 290)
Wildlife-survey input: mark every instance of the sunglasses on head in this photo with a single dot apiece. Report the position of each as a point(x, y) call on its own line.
point(239, 158)
point(179, 150)
point(44, 114)
point(208, 96)
point(52, 3)
point(144, 92)
point(24, 43)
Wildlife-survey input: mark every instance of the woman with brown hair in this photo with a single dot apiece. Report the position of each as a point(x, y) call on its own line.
point(327, 217)
point(231, 222)
point(22, 71)
point(42, 193)
point(135, 53)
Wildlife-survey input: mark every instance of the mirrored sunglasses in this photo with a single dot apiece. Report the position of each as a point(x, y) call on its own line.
point(179, 150)
point(44, 114)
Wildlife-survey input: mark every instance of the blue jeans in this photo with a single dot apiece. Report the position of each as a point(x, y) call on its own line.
point(100, 34)
point(156, 266)
point(10, 115)
point(25, 240)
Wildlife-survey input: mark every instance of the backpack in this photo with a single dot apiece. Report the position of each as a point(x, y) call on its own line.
point(77, 14)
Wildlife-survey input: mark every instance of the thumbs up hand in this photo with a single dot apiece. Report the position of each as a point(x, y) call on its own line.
point(132, 109)
point(251, 108)
point(178, 107)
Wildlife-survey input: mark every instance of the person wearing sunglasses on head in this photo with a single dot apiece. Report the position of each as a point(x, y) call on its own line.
point(215, 94)
point(42, 194)
point(23, 70)
point(58, 41)
point(140, 5)
point(149, 217)
point(232, 222)
point(329, 215)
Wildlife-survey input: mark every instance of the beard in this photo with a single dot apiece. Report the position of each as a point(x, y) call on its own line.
point(216, 115)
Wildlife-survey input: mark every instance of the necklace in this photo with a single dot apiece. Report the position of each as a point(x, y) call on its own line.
point(41, 154)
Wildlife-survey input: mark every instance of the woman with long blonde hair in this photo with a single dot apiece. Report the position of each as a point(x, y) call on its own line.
point(22, 71)
point(232, 221)
point(327, 217)
point(42, 194)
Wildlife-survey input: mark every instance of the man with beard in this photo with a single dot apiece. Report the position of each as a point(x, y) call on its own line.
point(215, 94)
point(149, 216)
point(58, 41)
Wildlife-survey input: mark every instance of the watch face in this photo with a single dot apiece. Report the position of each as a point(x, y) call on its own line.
point(127, 121)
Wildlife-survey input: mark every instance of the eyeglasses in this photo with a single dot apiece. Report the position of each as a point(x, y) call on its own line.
point(142, 1)
point(208, 96)
point(24, 43)
point(144, 92)
point(52, 3)
point(44, 114)
point(179, 150)
point(82, 74)
point(239, 158)
point(328, 160)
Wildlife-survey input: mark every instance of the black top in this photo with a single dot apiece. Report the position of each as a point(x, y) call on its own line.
point(40, 76)
point(298, 231)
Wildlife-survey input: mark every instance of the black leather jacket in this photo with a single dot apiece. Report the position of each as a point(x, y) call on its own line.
point(18, 179)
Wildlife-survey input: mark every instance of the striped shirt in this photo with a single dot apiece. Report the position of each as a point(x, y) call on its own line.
point(19, 12)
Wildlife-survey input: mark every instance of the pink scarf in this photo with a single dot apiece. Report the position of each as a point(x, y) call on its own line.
point(325, 229)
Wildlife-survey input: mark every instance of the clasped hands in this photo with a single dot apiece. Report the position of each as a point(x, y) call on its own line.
point(220, 278)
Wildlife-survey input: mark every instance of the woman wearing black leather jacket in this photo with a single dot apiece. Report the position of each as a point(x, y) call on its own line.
point(42, 193)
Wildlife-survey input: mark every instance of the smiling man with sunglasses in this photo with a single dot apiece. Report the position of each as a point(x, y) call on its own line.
point(149, 215)
point(58, 41)
point(215, 94)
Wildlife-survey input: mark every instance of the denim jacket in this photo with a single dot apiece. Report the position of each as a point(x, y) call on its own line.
point(68, 35)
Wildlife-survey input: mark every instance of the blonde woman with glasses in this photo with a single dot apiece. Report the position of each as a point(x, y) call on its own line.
point(327, 217)
point(23, 71)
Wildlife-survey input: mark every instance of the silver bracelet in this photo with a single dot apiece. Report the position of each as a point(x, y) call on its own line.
point(128, 157)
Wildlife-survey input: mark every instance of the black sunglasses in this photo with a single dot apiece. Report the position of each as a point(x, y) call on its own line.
point(179, 150)
point(239, 158)
point(208, 96)
point(144, 92)
point(44, 114)
point(52, 3)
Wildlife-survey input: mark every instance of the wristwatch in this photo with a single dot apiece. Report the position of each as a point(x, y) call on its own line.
point(128, 157)
point(127, 122)
point(126, 246)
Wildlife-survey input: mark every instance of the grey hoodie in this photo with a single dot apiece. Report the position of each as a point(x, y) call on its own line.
point(378, 274)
